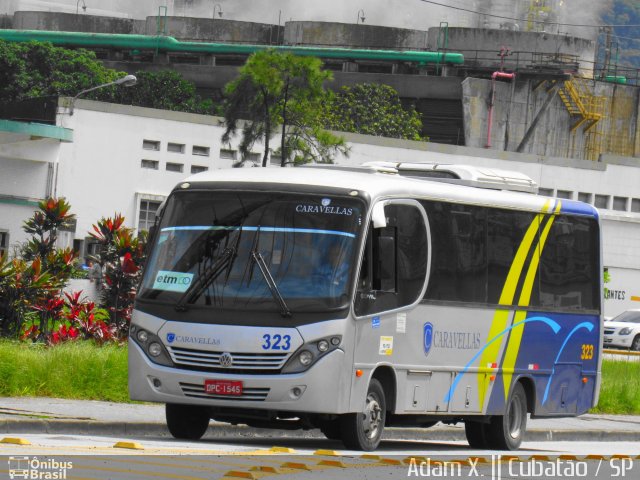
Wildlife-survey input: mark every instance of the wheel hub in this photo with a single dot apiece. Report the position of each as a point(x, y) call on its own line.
point(372, 417)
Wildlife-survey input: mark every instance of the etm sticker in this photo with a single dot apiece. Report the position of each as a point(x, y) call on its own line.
point(375, 322)
point(386, 346)
point(172, 281)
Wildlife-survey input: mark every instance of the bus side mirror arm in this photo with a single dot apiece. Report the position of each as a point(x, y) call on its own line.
point(378, 216)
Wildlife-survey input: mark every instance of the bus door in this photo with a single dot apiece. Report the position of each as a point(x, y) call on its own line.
point(392, 281)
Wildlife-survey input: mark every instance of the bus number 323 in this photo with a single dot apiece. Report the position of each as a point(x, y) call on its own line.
point(276, 342)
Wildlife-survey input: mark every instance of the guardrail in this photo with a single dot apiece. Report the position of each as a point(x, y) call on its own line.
point(621, 352)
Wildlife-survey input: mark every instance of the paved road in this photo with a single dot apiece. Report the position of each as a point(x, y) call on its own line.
point(93, 457)
point(85, 433)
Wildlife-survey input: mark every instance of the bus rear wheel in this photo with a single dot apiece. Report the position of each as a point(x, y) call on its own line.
point(187, 422)
point(363, 430)
point(505, 432)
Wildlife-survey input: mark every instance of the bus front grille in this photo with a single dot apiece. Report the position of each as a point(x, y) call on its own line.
point(210, 361)
point(196, 390)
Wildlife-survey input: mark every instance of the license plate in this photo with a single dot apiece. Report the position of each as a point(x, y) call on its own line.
point(223, 387)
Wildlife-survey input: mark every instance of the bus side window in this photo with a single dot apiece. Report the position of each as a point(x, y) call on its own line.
point(394, 263)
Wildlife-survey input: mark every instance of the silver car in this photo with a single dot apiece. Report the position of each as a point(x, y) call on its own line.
point(623, 331)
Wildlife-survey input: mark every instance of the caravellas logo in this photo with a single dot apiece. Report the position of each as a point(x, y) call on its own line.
point(326, 202)
point(171, 337)
point(427, 338)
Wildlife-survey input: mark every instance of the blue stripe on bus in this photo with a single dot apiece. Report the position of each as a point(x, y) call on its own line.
point(579, 208)
point(262, 229)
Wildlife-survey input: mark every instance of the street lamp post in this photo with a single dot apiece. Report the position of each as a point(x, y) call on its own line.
point(84, 6)
point(360, 16)
point(127, 81)
point(217, 5)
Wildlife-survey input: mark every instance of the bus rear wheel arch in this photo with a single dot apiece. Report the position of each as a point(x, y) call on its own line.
point(501, 432)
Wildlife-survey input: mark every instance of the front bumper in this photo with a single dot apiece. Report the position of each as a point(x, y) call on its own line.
point(618, 341)
point(320, 385)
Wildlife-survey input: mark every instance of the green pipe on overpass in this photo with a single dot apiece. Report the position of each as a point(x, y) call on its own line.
point(170, 44)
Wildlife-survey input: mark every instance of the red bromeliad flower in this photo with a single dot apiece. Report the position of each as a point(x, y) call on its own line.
point(128, 265)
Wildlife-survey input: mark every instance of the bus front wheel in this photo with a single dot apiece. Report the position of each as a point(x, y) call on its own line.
point(187, 422)
point(505, 432)
point(363, 430)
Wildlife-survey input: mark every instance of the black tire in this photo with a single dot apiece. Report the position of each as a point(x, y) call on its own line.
point(331, 429)
point(363, 430)
point(476, 434)
point(187, 422)
point(505, 432)
point(635, 345)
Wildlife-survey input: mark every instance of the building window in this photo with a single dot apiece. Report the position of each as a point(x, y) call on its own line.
point(635, 205)
point(174, 167)
point(601, 201)
point(147, 217)
point(545, 192)
point(276, 160)
point(151, 145)
point(198, 168)
point(584, 197)
point(4, 243)
point(564, 194)
point(201, 151)
point(253, 157)
point(151, 164)
point(175, 147)
point(227, 154)
point(620, 204)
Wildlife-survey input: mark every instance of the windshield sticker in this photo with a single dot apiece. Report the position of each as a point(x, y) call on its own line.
point(172, 281)
point(386, 346)
point(375, 322)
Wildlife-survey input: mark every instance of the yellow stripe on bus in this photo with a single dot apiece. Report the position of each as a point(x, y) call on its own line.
point(501, 317)
point(515, 336)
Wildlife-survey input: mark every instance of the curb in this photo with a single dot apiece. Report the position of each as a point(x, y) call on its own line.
point(223, 430)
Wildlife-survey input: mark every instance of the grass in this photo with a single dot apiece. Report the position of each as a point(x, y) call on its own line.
point(79, 370)
point(620, 390)
point(82, 370)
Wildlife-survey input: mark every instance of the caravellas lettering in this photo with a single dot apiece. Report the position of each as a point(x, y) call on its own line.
point(330, 209)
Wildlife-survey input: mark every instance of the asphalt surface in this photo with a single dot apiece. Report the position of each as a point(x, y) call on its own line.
point(50, 415)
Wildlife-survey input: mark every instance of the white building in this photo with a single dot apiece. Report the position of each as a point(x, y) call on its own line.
point(108, 159)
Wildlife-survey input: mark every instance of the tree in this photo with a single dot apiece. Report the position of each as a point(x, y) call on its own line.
point(372, 109)
point(38, 69)
point(280, 90)
point(121, 255)
point(165, 90)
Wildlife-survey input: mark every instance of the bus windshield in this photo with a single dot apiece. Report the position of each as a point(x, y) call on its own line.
point(254, 250)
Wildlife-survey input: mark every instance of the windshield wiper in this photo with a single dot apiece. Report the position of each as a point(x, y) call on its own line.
point(257, 257)
point(271, 283)
point(205, 279)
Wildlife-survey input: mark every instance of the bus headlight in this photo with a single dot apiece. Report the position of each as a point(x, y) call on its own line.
point(152, 346)
point(305, 357)
point(310, 353)
point(143, 336)
point(155, 349)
